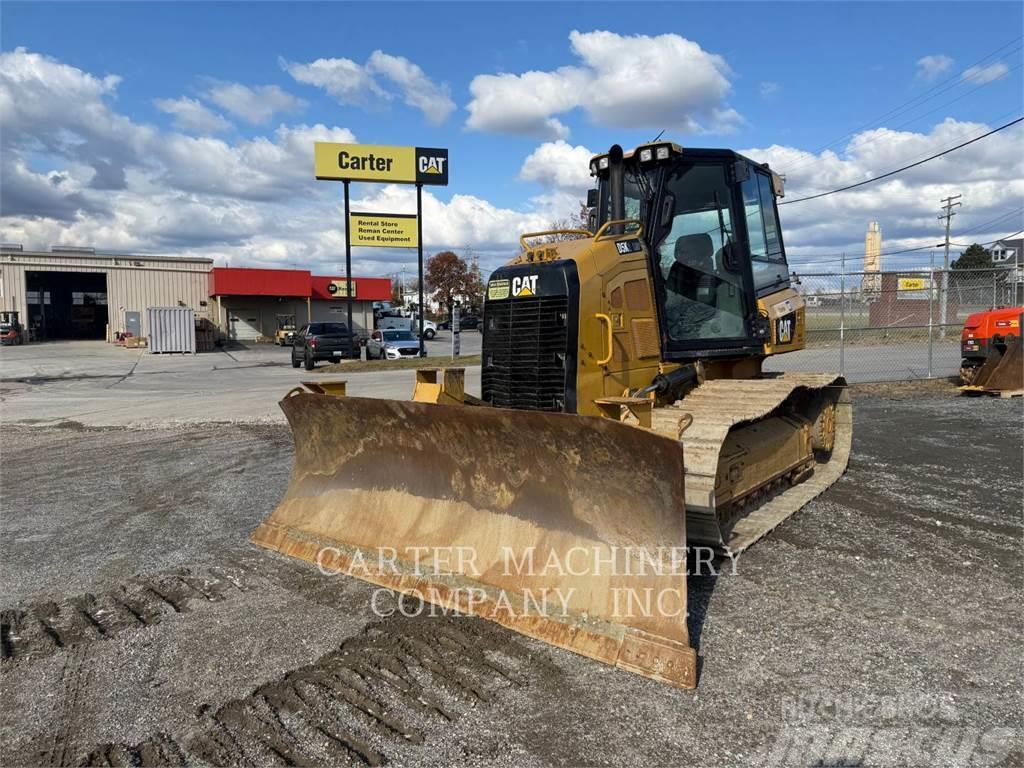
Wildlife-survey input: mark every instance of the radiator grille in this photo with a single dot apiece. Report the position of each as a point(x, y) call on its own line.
point(525, 351)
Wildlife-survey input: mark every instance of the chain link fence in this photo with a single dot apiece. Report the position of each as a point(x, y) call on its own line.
point(894, 325)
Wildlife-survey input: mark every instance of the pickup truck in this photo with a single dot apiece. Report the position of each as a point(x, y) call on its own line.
point(322, 341)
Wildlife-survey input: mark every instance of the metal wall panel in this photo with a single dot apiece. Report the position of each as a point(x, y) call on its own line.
point(172, 329)
point(134, 283)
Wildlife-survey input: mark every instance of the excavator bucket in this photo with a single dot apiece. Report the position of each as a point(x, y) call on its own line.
point(1002, 373)
point(565, 528)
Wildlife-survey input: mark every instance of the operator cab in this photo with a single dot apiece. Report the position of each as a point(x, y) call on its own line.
point(711, 226)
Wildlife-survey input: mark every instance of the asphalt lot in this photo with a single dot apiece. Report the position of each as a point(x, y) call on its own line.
point(878, 626)
point(98, 384)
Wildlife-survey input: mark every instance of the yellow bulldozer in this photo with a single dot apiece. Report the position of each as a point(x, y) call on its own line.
point(623, 414)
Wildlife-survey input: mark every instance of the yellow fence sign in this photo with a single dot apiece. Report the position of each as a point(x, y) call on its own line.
point(383, 230)
point(380, 163)
point(912, 284)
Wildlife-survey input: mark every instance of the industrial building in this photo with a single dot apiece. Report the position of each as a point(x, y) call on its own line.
point(250, 303)
point(76, 293)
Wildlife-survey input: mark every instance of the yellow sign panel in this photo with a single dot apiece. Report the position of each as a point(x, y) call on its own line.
point(912, 284)
point(381, 163)
point(383, 230)
point(339, 288)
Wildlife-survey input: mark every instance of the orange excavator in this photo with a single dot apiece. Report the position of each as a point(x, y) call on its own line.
point(990, 345)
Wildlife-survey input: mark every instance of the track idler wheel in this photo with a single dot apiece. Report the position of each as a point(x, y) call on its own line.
point(823, 435)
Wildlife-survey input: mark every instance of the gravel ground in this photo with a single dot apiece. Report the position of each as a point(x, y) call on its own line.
point(879, 626)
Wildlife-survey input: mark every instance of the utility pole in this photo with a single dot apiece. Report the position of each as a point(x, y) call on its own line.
point(947, 213)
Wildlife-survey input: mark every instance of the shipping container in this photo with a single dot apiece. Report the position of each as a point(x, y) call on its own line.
point(172, 329)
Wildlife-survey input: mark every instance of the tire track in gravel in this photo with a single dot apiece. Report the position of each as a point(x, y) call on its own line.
point(40, 629)
point(382, 693)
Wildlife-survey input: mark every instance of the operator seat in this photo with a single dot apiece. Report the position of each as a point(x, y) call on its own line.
point(691, 295)
point(692, 276)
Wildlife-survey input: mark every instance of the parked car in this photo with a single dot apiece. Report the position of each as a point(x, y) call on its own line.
point(392, 344)
point(467, 322)
point(411, 324)
point(322, 341)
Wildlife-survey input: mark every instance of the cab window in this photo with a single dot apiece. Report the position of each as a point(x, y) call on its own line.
point(703, 301)
point(632, 194)
point(766, 257)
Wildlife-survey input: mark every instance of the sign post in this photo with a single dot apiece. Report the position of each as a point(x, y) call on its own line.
point(348, 278)
point(381, 164)
point(419, 255)
point(456, 341)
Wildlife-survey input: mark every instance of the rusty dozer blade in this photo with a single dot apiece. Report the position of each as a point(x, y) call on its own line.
point(566, 528)
point(1001, 373)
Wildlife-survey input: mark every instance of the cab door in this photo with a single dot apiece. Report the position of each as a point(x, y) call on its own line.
point(703, 280)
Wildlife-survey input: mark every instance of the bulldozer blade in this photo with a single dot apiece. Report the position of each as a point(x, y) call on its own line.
point(1002, 373)
point(569, 529)
point(1008, 375)
point(984, 373)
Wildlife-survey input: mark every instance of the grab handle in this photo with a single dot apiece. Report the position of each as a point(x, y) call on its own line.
point(608, 322)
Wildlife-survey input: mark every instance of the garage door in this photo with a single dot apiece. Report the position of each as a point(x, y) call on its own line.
point(243, 323)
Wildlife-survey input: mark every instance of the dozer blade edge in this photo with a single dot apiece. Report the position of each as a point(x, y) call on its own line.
point(568, 529)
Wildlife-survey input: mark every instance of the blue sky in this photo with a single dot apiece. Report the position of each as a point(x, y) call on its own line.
point(798, 76)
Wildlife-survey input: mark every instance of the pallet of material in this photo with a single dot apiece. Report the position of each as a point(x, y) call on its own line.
point(135, 342)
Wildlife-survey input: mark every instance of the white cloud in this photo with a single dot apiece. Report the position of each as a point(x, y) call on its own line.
point(255, 104)
point(349, 82)
point(258, 169)
point(930, 67)
point(559, 166)
point(190, 115)
point(989, 174)
point(252, 201)
point(35, 94)
point(249, 201)
point(769, 89)
point(524, 104)
point(621, 82)
point(346, 81)
point(982, 75)
point(418, 90)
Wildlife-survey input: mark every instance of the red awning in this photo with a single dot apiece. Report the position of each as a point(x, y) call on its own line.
point(367, 288)
point(235, 281)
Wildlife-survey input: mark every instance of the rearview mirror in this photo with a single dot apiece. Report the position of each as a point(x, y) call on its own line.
point(591, 198)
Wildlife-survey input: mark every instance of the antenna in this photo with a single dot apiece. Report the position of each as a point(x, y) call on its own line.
point(657, 137)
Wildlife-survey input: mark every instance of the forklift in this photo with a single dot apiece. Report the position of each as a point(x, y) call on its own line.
point(11, 330)
point(285, 330)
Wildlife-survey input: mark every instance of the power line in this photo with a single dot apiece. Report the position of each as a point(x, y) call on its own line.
point(834, 257)
point(830, 258)
point(814, 261)
point(993, 221)
point(990, 242)
point(909, 104)
point(905, 167)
